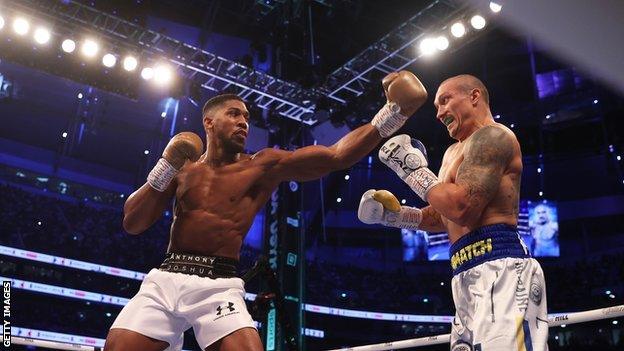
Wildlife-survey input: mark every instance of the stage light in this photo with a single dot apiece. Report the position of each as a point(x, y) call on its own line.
point(21, 26)
point(146, 152)
point(130, 63)
point(109, 60)
point(458, 30)
point(403, 201)
point(339, 200)
point(64, 135)
point(495, 7)
point(68, 45)
point(163, 114)
point(1, 22)
point(80, 95)
point(42, 35)
point(477, 22)
point(442, 43)
point(147, 73)
point(90, 48)
point(347, 177)
point(427, 46)
point(162, 74)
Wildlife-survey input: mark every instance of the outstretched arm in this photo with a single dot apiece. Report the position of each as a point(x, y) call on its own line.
point(486, 158)
point(313, 162)
point(405, 94)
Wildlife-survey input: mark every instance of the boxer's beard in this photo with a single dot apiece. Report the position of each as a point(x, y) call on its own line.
point(233, 147)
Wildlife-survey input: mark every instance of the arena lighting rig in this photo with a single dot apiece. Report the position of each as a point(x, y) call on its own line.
point(441, 25)
point(124, 46)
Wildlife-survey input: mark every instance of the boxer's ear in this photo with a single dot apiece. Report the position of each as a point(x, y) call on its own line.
point(475, 96)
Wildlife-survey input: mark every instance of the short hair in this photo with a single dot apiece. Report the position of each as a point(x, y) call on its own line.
point(469, 82)
point(218, 100)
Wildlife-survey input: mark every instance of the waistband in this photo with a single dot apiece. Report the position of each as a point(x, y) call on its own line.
point(484, 244)
point(203, 266)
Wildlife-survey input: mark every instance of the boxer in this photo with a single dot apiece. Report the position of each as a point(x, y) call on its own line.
point(498, 289)
point(217, 195)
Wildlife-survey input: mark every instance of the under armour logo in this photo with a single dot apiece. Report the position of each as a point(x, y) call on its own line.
point(230, 306)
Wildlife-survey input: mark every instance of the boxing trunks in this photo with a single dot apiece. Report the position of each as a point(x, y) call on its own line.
point(499, 293)
point(202, 292)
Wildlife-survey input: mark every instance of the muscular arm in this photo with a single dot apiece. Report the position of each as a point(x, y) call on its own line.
point(313, 162)
point(431, 220)
point(478, 177)
point(145, 206)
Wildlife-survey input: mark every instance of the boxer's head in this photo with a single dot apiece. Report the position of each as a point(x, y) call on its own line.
point(541, 214)
point(226, 118)
point(462, 101)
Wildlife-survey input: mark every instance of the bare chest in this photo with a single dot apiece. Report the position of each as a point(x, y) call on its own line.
point(203, 187)
point(451, 162)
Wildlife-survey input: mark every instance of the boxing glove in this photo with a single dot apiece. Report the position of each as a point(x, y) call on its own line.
point(381, 206)
point(183, 146)
point(409, 162)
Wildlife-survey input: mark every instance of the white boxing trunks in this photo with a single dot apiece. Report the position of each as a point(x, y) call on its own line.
point(168, 303)
point(499, 293)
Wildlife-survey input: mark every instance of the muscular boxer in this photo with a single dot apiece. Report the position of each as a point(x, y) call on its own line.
point(217, 195)
point(498, 289)
point(544, 233)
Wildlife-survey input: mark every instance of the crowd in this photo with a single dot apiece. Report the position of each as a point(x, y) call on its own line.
point(79, 230)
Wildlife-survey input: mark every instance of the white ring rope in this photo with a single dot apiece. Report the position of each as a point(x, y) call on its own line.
point(554, 321)
point(55, 345)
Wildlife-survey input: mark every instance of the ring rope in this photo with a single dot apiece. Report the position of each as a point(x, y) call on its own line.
point(553, 321)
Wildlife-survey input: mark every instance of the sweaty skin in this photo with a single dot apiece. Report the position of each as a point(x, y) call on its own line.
point(217, 197)
point(480, 173)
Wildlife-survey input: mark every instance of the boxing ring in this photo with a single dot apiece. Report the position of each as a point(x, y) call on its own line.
point(554, 320)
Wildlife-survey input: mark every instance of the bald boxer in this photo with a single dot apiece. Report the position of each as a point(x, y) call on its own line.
point(544, 232)
point(498, 289)
point(217, 195)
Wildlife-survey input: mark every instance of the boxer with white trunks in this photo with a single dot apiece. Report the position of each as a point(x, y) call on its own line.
point(217, 195)
point(498, 289)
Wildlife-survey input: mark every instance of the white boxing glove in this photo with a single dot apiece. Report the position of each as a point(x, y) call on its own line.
point(380, 206)
point(409, 162)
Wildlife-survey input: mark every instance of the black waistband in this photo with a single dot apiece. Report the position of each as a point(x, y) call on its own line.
point(203, 266)
point(486, 244)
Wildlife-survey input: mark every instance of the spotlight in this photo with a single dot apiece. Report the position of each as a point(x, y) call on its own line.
point(495, 7)
point(347, 177)
point(162, 74)
point(403, 201)
point(80, 95)
point(441, 43)
point(146, 152)
point(109, 60)
point(458, 30)
point(130, 63)
point(64, 135)
point(163, 114)
point(1, 22)
point(68, 45)
point(477, 22)
point(339, 200)
point(21, 26)
point(427, 46)
point(90, 48)
point(42, 35)
point(147, 73)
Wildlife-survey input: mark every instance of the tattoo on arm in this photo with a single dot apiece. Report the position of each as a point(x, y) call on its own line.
point(431, 220)
point(485, 159)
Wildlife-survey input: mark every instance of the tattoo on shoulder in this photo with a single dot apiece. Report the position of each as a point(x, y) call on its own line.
point(485, 159)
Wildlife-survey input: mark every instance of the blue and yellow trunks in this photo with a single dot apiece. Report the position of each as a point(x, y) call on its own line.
point(486, 244)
